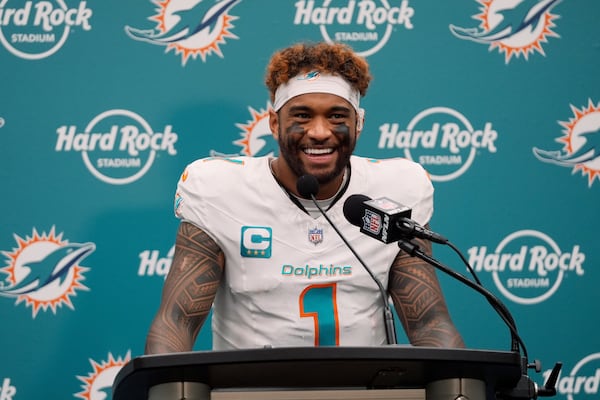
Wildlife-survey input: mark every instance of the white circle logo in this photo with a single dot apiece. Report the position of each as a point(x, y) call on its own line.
point(441, 139)
point(38, 29)
point(117, 146)
point(528, 266)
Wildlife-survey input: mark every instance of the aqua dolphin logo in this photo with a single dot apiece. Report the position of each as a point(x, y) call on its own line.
point(589, 151)
point(524, 15)
point(269, 147)
point(97, 384)
point(191, 21)
point(513, 27)
point(191, 31)
point(44, 271)
point(256, 137)
point(581, 143)
point(52, 267)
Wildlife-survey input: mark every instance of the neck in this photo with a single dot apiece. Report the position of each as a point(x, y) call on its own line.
point(288, 180)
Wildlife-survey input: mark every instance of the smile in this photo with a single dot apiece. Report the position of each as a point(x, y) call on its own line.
point(313, 151)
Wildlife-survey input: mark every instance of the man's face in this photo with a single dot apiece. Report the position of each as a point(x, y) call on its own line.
point(316, 134)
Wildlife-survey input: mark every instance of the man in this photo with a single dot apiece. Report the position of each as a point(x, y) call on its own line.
point(277, 272)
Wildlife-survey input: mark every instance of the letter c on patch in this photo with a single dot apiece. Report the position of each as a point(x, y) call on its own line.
point(256, 241)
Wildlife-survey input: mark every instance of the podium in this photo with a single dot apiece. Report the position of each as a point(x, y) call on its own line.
point(321, 372)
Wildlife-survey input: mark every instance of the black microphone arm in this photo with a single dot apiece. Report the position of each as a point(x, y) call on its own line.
point(415, 251)
point(525, 388)
point(407, 229)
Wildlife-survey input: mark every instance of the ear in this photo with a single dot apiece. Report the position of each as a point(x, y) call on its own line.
point(274, 123)
point(360, 121)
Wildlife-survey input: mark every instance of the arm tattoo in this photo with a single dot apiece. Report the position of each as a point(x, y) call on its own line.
point(188, 292)
point(419, 301)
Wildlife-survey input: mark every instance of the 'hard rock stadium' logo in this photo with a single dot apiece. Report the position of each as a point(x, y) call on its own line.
point(528, 266)
point(514, 27)
point(441, 139)
point(33, 30)
point(583, 382)
point(191, 28)
point(365, 25)
point(580, 143)
point(44, 271)
point(117, 146)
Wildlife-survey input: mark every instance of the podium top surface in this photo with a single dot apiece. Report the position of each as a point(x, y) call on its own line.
point(317, 367)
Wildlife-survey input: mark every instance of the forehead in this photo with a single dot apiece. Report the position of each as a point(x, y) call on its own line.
point(318, 101)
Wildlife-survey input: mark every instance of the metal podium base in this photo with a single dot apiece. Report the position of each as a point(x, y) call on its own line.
point(329, 394)
point(456, 389)
point(447, 389)
point(179, 391)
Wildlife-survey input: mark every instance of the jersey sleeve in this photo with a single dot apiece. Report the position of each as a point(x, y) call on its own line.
point(191, 203)
point(423, 208)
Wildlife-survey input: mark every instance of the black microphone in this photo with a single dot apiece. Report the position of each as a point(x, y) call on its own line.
point(308, 187)
point(386, 220)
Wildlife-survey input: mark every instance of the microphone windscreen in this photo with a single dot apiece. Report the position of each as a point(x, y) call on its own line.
point(307, 186)
point(354, 208)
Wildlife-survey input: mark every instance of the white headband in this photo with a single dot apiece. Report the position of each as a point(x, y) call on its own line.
point(316, 82)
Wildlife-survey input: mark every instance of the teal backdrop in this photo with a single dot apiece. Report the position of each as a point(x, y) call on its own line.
point(103, 103)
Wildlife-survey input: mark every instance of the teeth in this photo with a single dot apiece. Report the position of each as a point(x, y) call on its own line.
point(318, 151)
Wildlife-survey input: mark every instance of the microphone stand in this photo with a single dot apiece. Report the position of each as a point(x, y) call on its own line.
point(525, 388)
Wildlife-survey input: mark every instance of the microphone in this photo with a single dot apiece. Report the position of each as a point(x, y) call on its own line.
point(386, 220)
point(308, 187)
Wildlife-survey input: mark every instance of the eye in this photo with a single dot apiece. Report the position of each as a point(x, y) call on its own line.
point(338, 117)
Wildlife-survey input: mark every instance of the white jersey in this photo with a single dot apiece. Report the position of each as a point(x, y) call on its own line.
point(289, 279)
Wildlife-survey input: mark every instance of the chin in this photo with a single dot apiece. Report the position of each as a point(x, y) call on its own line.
point(324, 177)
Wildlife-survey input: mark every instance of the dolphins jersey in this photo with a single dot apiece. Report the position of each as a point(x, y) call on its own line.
point(289, 280)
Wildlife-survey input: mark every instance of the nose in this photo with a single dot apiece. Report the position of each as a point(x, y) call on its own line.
point(319, 129)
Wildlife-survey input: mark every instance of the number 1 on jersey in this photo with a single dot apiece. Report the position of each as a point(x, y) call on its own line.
point(319, 302)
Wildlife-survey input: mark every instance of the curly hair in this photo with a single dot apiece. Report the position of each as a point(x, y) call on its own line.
point(336, 58)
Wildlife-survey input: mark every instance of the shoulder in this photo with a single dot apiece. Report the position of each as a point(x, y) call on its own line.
point(212, 164)
point(398, 179)
point(222, 169)
point(389, 168)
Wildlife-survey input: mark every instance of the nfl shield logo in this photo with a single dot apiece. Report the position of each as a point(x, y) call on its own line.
point(372, 222)
point(315, 235)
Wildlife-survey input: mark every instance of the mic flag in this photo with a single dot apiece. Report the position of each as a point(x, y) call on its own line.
point(377, 218)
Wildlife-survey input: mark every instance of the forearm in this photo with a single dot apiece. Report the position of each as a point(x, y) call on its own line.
point(166, 337)
point(188, 293)
point(420, 303)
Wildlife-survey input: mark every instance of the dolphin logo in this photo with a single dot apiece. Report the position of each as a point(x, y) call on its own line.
point(199, 17)
point(522, 16)
point(106, 392)
point(54, 266)
point(270, 146)
point(589, 151)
